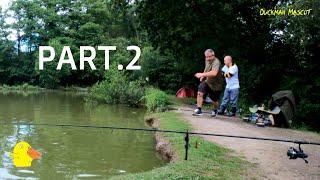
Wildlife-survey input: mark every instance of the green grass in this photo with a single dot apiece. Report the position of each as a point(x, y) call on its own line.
point(27, 89)
point(208, 161)
point(24, 89)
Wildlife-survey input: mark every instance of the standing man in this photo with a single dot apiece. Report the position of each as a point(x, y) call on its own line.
point(211, 83)
point(231, 93)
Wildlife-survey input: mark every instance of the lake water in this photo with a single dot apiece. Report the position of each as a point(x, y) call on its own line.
point(73, 152)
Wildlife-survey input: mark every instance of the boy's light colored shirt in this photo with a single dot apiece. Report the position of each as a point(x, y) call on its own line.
point(233, 81)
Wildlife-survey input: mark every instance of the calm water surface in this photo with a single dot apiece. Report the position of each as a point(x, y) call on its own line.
point(69, 152)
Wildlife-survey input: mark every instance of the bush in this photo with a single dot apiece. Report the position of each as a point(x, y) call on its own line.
point(117, 89)
point(156, 100)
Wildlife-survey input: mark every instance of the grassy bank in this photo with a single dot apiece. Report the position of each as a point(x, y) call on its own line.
point(208, 161)
point(24, 89)
point(74, 89)
point(27, 89)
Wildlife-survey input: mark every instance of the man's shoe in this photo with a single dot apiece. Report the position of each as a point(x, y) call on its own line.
point(214, 113)
point(197, 112)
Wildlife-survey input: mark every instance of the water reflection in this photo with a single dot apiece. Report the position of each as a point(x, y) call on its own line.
point(73, 152)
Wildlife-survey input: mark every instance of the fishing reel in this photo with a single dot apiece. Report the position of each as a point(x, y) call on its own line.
point(294, 153)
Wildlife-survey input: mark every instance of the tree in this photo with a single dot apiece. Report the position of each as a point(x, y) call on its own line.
point(296, 49)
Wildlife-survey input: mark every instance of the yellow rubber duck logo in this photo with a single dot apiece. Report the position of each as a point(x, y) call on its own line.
point(23, 154)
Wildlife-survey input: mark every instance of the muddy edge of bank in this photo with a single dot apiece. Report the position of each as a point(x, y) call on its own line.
point(163, 146)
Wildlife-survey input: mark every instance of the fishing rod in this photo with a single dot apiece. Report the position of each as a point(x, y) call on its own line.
point(292, 152)
point(165, 131)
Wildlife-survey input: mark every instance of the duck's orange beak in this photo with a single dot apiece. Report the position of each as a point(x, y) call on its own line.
point(34, 154)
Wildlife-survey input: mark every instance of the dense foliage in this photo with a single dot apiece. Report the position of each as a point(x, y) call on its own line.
point(117, 89)
point(156, 100)
point(272, 52)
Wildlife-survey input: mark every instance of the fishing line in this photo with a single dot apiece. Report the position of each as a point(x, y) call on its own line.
point(164, 131)
point(292, 153)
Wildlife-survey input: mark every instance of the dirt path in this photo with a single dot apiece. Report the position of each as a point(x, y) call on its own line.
point(270, 157)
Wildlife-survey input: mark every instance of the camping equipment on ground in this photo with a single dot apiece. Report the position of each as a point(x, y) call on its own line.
point(280, 113)
point(185, 93)
point(262, 117)
point(286, 102)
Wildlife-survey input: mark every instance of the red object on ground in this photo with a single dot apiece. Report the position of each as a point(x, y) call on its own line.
point(185, 92)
